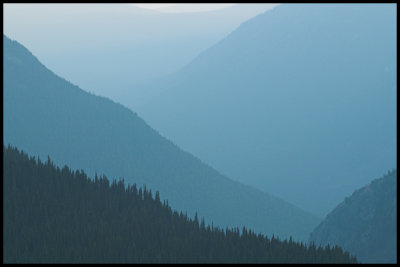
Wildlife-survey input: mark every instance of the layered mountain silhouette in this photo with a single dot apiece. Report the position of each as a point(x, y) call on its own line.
point(47, 116)
point(299, 101)
point(111, 49)
point(365, 224)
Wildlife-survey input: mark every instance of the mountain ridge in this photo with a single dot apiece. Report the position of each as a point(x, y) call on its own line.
point(140, 44)
point(308, 103)
point(58, 215)
point(365, 222)
point(45, 115)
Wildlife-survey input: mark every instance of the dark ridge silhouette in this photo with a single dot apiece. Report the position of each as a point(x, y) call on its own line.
point(57, 215)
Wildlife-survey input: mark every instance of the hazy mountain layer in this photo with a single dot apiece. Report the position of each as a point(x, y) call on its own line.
point(365, 224)
point(299, 101)
point(46, 115)
point(111, 49)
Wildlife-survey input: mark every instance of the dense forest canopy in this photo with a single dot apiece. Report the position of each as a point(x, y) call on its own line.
point(54, 214)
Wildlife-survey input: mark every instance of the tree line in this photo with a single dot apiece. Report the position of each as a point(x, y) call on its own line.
point(57, 215)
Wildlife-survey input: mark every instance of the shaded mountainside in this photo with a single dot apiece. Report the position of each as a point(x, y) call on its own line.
point(56, 215)
point(46, 115)
point(300, 97)
point(365, 223)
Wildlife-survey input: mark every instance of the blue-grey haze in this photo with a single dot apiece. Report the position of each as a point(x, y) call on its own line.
point(299, 101)
point(112, 49)
point(45, 115)
point(365, 223)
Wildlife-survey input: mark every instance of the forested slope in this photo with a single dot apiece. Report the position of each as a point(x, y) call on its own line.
point(57, 215)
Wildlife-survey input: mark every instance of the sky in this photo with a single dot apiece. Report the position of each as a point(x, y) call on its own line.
point(177, 8)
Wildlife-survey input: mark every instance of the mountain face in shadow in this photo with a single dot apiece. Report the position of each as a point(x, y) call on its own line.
point(298, 101)
point(365, 223)
point(111, 49)
point(46, 115)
